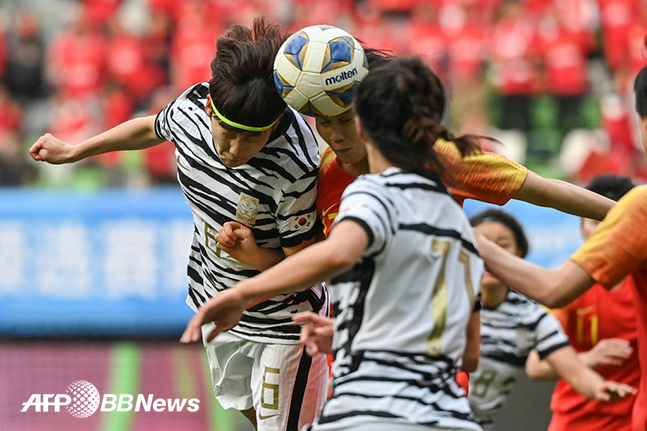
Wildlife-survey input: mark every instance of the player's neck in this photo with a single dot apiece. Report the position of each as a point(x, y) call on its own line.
point(493, 296)
point(376, 161)
point(357, 168)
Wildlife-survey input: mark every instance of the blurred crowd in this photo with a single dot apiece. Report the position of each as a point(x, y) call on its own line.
point(550, 78)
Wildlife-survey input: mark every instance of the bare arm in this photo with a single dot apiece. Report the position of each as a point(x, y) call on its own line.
point(322, 261)
point(553, 288)
point(609, 351)
point(537, 369)
point(473, 346)
point(584, 380)
point(135, 134)
point(563, 196)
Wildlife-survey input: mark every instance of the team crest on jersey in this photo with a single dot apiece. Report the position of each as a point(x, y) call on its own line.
point(247, 209)
point(302, 222)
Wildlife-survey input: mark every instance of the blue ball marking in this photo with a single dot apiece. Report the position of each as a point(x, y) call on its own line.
point(294, 48)
point(346, 97)
point(339, 53)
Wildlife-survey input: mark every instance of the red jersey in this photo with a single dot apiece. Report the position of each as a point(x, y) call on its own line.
point(514, 44)
point(594, 316)
point(565, 60)
point(488, 177)
point(616, 249)
point(78, 63)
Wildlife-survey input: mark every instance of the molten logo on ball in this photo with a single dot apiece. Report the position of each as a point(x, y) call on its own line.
point(85, 399)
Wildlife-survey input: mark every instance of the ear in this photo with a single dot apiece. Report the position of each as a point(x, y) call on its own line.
point(208, 106)
point(276, 123)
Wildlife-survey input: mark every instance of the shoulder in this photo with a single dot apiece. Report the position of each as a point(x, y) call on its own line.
point(634, 202)
point(196, 95)
point(370, 187)
point(294, 145)
point(192, 100)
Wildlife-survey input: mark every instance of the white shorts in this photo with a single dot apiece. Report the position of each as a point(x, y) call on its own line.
point(281, 382)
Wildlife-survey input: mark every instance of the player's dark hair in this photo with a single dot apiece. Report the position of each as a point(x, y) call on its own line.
point(494, 215)
point(242, 85)
point(640, 88)
point(611, 186)
point(400, 105)
point(377, 57)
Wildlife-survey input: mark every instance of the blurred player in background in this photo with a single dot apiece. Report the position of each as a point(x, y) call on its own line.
point(601, 326)
point(513, 327)
point(241, 155)
point(400, 257)
point(615, 250)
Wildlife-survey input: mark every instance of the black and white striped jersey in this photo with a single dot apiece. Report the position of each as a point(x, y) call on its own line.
point(274, 194)
point(401, 313)
point(508, 333)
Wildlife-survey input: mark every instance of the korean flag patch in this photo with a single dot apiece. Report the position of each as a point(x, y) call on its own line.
point(302, 222)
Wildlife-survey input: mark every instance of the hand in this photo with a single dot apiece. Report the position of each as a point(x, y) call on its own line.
point(52, 150)
point(610, 392)
point(237, 240)
point(609, 351)
point(225, 310)
point(316, 332)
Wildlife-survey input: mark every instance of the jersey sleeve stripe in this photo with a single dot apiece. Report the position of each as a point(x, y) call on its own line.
point(364, 226)
point(420, 186)
point(432, 230)
point(543, 354)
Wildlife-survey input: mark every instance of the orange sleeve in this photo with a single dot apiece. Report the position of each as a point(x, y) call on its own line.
point(485, 176)
point(618, 246)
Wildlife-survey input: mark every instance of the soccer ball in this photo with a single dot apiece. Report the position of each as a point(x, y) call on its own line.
point(317, 70)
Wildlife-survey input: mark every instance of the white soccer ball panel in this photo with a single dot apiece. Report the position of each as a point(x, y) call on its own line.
point(314, 56)
point(296, 100)
point(288, 71)
point(309, 84)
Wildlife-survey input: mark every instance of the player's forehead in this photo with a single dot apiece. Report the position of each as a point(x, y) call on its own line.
point(346, 115)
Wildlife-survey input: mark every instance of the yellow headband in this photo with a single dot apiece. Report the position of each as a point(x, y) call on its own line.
point(237, 125)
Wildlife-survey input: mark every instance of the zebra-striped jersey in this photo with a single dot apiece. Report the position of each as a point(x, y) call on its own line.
point(508, 333)
point(400, 315)
point(273, 194)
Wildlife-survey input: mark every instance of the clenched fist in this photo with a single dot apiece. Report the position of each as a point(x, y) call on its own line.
point(52, 150)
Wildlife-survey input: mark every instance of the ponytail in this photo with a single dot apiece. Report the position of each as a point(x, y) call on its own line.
point(400, 106)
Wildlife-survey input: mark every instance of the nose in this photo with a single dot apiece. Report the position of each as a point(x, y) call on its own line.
point(336, 135)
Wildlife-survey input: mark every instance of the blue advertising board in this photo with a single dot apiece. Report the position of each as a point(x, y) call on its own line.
point(111, 262)
point(114, 262)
